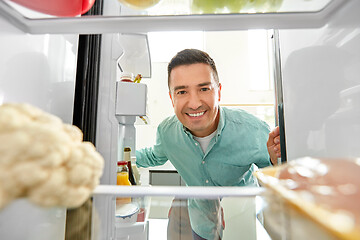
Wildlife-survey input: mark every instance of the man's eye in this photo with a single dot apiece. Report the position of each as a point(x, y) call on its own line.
point(204, 89)
point(180, 92)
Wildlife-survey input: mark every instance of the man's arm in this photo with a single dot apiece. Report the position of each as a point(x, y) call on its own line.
point(148, 157)
point(153, 156)
point(273, 145)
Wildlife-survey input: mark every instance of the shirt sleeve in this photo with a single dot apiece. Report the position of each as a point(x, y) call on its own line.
point(153, 156)
point(263, 159)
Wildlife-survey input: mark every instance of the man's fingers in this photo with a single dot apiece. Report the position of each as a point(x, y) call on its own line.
point(274, 137)
point(273, 145)
point(277, 148)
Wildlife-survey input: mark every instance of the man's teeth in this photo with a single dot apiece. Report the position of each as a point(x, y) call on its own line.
point(196, 114)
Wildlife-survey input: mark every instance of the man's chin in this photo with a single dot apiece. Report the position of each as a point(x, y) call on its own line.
point(195, 129)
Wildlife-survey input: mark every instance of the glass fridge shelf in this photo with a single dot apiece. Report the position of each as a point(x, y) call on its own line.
point(165, 212)
point(180, 15)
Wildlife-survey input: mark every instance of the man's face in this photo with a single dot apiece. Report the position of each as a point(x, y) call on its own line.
point(195, 97)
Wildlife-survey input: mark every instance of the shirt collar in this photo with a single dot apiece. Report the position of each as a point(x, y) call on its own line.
point(221, 123)
point(220, 127)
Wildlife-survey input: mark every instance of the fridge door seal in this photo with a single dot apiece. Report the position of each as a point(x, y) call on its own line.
point(279, 101)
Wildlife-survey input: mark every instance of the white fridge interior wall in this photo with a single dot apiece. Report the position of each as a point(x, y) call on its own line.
point(38, 69)
point(321, 69)
point(242, 60)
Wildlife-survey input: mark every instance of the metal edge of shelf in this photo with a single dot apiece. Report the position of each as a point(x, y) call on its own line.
point(14, 17)
point(133, 24)
point(177, 191)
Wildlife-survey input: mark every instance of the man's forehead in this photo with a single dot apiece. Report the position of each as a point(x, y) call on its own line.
point(192, 81)
point(186, 68)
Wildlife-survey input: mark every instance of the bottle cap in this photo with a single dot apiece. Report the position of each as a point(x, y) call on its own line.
point(121, 163)
point(127, 149)
point(127, 77)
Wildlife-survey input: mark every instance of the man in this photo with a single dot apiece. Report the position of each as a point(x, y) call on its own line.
point(209, 145)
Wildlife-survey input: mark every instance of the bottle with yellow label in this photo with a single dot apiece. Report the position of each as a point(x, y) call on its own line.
point(122, 179)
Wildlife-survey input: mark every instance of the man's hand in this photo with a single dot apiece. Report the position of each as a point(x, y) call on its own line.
point(273, 145)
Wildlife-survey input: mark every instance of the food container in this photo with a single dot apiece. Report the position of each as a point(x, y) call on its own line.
point(126, 214)
point(131, 219)
point(299, 216)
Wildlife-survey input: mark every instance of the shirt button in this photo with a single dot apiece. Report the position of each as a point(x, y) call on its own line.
point(203, 162)
point(196, 144)
point(207, 181)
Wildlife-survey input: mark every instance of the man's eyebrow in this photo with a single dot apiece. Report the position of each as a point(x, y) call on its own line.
point(204, 84)
point(199, 85)
point(179, 87)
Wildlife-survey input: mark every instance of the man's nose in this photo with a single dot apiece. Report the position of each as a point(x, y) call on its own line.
point(194, 101)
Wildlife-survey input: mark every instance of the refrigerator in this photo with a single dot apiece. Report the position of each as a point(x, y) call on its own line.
point(70, 66)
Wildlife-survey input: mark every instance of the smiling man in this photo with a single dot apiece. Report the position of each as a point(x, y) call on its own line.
point(209, 145)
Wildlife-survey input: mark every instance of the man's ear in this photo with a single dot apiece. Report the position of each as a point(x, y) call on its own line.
point(172, 101)
point(219, 92)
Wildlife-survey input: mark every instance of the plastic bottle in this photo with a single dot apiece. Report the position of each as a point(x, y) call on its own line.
point(122, 179)
point(127, 77)
point(123, 174)
point(135, 171)
point(127, 158)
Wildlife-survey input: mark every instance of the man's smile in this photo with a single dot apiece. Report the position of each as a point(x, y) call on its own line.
point(199, 114)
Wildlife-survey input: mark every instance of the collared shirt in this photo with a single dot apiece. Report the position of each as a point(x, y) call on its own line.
point(239, 144)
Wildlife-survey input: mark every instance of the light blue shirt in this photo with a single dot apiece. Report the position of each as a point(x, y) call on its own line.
point(229, 159)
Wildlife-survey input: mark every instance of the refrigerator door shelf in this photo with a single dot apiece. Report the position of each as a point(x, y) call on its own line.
point(130, 99)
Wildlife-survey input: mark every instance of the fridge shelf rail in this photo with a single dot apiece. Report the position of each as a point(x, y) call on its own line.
point(178, 192)
point(135, 24)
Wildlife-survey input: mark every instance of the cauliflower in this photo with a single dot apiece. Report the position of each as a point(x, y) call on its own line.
point(45, 160)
